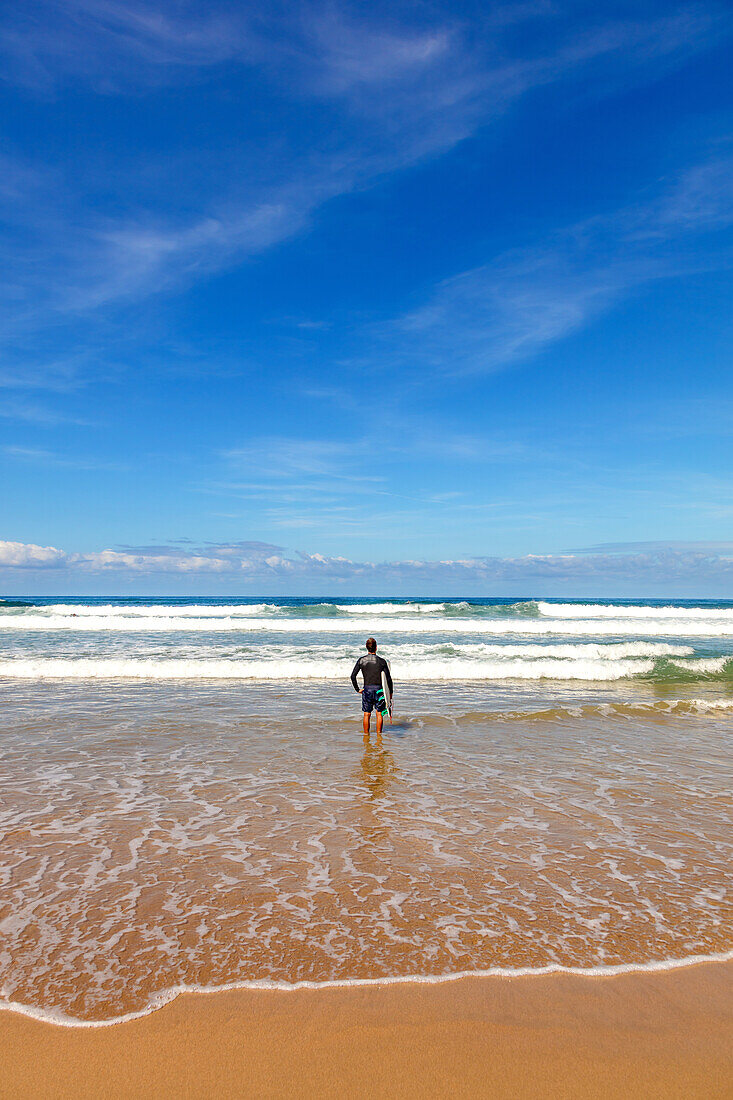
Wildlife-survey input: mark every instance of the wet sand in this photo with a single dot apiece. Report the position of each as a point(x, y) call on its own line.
point(155, 837)
point(635, 1035)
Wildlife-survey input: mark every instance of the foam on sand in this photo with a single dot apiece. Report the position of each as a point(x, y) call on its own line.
point(167, 996)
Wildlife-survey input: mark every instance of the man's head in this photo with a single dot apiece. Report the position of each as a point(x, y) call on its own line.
point(371, 645)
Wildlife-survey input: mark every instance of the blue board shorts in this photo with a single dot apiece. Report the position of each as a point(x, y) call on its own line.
point(369, 699)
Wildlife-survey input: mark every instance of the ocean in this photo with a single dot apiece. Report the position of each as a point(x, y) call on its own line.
point(186, 801)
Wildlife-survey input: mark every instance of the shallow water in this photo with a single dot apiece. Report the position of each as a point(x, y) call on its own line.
point(166, 832)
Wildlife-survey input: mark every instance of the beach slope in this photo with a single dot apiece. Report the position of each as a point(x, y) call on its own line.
point(661, 1034)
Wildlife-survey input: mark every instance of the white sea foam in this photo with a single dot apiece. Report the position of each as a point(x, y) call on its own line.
point(600, 650)
point(632, 611)
point(225, 611)
point(404, 609)
point(707, 664)
point(145, 611)
point(311, 668)
point(166, 996)
point(229, 610)
point(384, 626)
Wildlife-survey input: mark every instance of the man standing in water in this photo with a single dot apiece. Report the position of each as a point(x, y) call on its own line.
point(371, 667)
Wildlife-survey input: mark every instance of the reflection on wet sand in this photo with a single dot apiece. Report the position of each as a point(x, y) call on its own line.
point(377, 768)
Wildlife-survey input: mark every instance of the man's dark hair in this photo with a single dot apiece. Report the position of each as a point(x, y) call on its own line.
point(371, 645)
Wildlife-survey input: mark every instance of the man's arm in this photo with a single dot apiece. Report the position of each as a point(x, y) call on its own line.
point(388, 674)
point(357, 668)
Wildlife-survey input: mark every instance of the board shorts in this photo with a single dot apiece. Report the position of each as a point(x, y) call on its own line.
point(369, 699)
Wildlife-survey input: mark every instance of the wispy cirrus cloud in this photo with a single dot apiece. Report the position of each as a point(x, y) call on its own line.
point(523, 301)
point(31, 413)
point(346, 482)
point(116, 44)
point(279, 458)
point(301, 482)
point(700, 546)
point(394, 92)
point(41, 456)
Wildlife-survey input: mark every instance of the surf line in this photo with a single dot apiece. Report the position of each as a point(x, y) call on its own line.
point(167, 996)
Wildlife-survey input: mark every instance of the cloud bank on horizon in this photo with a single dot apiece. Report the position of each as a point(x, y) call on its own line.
point(444, 289)
point(270, 569)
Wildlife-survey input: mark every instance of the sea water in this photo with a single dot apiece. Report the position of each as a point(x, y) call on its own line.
point(186, 800)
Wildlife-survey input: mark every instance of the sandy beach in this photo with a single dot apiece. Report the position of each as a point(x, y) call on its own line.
point(366, 563)
point(659, 1034)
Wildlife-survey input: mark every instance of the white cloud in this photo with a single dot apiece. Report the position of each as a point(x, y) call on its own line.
point(26, 555)
point(113, 561)
point(263, 562)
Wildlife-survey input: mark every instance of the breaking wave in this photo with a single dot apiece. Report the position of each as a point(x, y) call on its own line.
point(636, 611)
point(608, 627)
point(662, 669)
point(390, 617)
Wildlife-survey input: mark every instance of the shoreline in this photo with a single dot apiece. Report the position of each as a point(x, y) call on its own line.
point(166, 997)
point(663, 1033)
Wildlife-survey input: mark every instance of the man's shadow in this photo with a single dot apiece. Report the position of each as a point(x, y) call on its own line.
point(399, 728)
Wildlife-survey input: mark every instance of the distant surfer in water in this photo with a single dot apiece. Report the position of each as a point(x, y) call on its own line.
point(375, 671)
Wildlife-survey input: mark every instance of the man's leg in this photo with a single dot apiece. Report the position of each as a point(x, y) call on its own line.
point(380, 722)
point(367, 722)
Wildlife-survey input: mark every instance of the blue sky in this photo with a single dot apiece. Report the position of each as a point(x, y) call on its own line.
point(291, 291)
